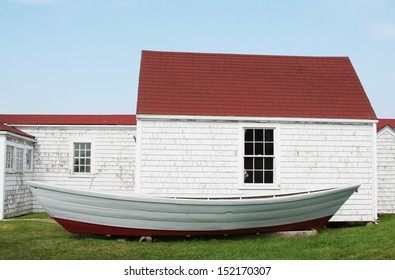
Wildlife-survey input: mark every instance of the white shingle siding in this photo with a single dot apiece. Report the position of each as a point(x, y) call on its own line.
point(113, 156)
point(113, 163)
point(386, 171)
point(17, 197)
point(204, 157)
point(188, 157)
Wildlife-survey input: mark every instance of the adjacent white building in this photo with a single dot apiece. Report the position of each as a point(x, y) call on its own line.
point(90, 151)
point(386, 166)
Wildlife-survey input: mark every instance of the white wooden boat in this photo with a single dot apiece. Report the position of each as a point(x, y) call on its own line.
point(91, 212)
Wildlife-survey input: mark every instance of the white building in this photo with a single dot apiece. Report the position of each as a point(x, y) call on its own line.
point(89, 151)
point(386, 166)
point(213, 123)
point(206, 120)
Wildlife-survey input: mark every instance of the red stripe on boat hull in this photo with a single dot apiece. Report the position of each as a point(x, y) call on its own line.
point(87, 228)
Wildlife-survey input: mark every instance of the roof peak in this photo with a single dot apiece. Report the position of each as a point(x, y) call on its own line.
point(240, 54)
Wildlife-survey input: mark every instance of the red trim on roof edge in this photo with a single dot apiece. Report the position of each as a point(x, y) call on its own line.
point(7, 128)
point(20, 119)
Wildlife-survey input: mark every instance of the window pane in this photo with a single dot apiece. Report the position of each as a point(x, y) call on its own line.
point(258, 135)
point(248, 179)
point(88, 146)
point(258, 149)
point(76, 169)
point(268, 177)
point(248, 163)
point(269, 163)
point(269, 149)
point(258, 163)
point(88, 169)
point(248, 135)
point(269, 135)
point(248, 148)
point(82, 168)
point(258, 177)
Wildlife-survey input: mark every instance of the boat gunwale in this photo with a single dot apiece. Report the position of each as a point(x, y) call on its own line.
point(190, 199)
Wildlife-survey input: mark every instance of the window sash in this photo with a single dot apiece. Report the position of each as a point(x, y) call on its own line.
point(10, 157)
point(19, 158)
point(259, 156)
point(82, 157)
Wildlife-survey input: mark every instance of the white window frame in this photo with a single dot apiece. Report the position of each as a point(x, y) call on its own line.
point(19, 152)
point(28, 167)
point(21, 166)
point(276, 157)
point(10, 163)
point(92, 157)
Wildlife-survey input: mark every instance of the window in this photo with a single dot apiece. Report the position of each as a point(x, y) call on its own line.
point(10, 158)
point(258, 156)
point(19, 159)
point(82, 158)
point(29, 160)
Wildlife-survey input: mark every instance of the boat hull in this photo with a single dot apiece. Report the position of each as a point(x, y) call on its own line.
point(89, 212)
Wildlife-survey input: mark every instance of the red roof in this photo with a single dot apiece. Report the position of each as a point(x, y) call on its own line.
point(384, 122)
point(174, 83)
point(68, 119)
point(4, 127)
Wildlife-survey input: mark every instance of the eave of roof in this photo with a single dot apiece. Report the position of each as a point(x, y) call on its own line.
point(32, 119)
point(10, 129)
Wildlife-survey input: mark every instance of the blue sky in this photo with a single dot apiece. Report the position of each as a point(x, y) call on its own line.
point(83, 57)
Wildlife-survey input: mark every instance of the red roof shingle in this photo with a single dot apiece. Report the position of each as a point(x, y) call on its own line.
point(384, 122)
point(15, 119)
point(7, 128)
point(174, 83)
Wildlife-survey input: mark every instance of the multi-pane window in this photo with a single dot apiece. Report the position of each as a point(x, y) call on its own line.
point(10, 157)
point(19, 159)
point(82, 158)
point(29, 159)
point(258, 156)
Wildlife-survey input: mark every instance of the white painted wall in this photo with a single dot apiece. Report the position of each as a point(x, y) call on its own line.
point(386, 170)
point(113, 155)
point(205, 157)
point(2, 172)
point(113, 163)
point(17, 199)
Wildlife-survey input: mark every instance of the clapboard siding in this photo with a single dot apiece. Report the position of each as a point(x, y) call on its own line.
point(386, 171)
point(204, 157)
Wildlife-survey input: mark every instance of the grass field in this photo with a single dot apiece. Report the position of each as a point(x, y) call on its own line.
point(39, 240)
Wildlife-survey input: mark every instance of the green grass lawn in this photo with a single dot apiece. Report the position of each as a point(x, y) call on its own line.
point(35, 240)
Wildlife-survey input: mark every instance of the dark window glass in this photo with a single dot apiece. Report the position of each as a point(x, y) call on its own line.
point(249, 135)
point(269, 163)
point(248, 163)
